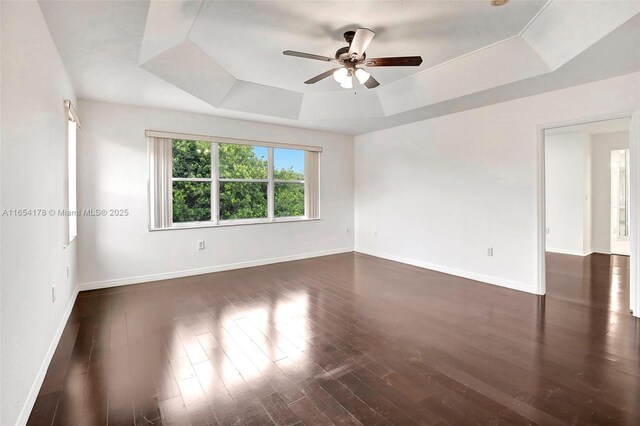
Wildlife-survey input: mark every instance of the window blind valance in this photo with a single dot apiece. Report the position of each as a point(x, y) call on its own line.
point(215, 139)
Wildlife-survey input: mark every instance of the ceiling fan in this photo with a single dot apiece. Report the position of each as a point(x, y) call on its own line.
point(353, 58)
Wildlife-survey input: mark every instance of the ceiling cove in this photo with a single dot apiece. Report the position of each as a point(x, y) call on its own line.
point(228, 55)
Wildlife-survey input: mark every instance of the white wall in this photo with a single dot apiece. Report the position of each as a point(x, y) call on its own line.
point(112, 155)
point(567, 185)
point(439, 192)
point(578, 190)
point(34, 85)
point(602, 145)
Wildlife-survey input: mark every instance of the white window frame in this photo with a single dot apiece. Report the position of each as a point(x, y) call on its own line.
point(215, 181)
point(71, 179)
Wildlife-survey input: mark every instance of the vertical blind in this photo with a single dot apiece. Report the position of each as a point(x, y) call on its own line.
point(312, 184)
point(161, 167)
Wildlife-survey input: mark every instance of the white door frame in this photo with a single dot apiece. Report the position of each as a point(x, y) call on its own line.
point(634, 147)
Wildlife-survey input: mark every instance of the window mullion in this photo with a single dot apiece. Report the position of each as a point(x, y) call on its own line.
point(244, 180)
point(191, 179)
point(287, 181)
point(215, 185)
point(270, 186)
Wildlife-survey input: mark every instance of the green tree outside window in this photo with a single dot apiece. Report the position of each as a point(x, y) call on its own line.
point(237, 200)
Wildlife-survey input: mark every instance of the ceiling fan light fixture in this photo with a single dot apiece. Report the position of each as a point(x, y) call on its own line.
point(347, 83)
point(341, 75)
point(362, 75)
point(350, 57)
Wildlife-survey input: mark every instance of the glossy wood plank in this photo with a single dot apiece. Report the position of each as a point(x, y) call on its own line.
point(350, 339)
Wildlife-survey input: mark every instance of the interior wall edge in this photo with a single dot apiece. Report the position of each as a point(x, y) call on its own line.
point(39, 379)
point(634, 147)
point(482, 278)
point(206, 270)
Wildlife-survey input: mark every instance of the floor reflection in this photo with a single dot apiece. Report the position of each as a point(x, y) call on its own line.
point(601, 283)
point(597, 280)
point(253, 335)
point(346, 339)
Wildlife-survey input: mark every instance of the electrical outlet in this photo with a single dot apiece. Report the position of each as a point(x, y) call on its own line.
point(348, 231)
point(547, 230)
point(375, 234)
point(490, 251)
point(67, 271)
point(53, 294)
point(200, 244)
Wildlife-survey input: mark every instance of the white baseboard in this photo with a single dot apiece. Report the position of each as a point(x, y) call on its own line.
point(574, 252)
point(37, 383)
point(206, 270)
point(453, 271)
point(564, 251)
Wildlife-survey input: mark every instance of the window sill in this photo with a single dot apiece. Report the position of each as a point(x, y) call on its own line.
point(64, 246)
point(238, 222)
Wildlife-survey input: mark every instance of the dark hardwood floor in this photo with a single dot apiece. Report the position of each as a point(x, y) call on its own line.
point(350, 339)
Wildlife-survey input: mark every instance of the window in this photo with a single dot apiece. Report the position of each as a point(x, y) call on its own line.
point(288, 178)
point(200, 181)
point(192, 181)
point(71, 190)
point(244, 181)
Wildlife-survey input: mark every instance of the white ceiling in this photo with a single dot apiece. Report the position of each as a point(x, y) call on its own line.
point(247, 38)
point(225, 57)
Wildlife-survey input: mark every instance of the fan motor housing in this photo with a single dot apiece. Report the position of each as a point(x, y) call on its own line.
point(342, 55)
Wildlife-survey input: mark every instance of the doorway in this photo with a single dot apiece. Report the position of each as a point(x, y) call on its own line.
point(586, 213)
point(620, 202)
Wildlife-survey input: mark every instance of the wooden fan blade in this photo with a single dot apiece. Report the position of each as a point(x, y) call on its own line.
point(400, 61)
point(308, 56)
point(371, 82)
point(322, 76)
point(360, 42)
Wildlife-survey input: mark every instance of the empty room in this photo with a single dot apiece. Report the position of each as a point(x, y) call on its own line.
point(319, 212)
